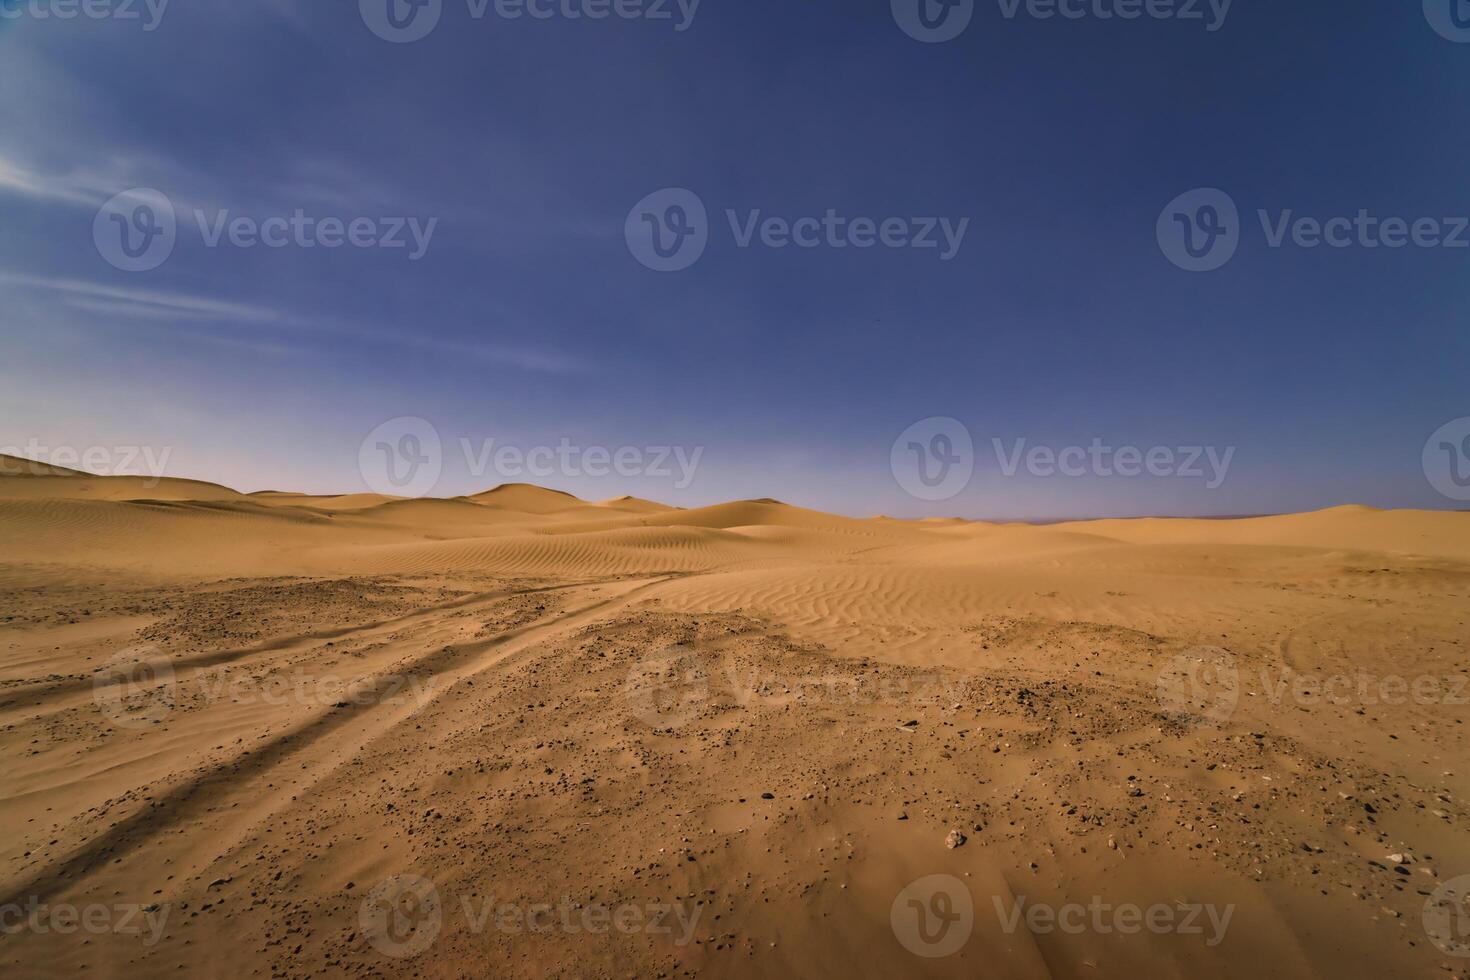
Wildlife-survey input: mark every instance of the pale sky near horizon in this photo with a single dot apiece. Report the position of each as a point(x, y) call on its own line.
point(518, 159)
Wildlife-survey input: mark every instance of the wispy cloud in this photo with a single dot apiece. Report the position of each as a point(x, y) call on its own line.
point(144, 301)
point(69, 188)
point(100, 299)
point(304, 182)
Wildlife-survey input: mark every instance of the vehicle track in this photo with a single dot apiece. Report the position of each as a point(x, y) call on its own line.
point(245, 784)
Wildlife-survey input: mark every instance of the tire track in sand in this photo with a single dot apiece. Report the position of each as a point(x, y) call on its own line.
point(37, 694)
point(243, 785)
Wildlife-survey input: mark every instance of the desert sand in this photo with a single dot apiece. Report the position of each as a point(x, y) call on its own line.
point(520, 734)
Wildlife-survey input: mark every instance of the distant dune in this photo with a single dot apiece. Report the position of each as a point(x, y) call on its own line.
point(511, 523)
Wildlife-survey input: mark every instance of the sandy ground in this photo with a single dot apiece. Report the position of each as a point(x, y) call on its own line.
point(523, 735)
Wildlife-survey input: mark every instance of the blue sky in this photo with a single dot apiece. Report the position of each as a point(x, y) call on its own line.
point(528, 319)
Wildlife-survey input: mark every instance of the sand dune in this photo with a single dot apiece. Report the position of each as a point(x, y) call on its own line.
point(254, 715)
point(347, 501)
point(115, 488)
point(527, 499)
point(1406, 532)
point(634, 505)
point(19, 466)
